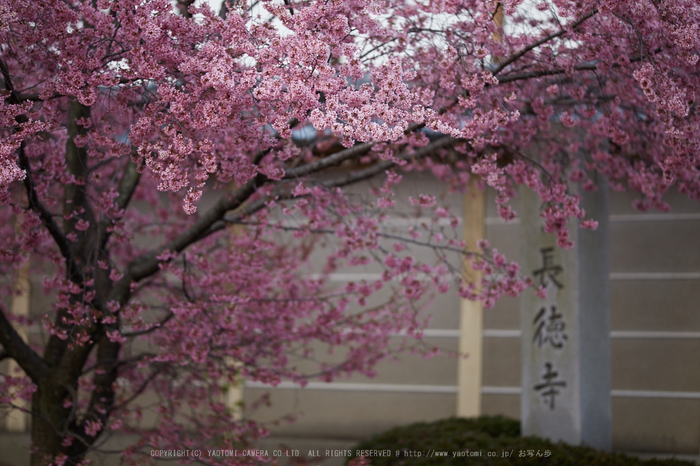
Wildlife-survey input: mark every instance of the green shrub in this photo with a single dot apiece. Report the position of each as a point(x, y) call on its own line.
point(421, 444)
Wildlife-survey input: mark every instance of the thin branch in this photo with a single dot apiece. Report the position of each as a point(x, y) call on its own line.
point(119, 362)
point(249, 209)
point(328, 231)
point(544, 40)
point(22, 97)
point(127, 185)
point(642, 45)
point(138, 391)
point(153, 328)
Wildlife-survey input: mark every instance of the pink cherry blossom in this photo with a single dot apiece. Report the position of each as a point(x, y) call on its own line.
point(187, 180)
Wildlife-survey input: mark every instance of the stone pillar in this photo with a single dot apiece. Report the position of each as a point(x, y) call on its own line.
point(471, 313)
point(566, 337)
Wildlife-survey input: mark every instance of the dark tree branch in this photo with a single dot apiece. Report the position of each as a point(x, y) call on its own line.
point(147, 265)
point(249, 209)
point(541, 73)
point(77, 207)
point(184, 7)
point(127, 185)
point(72, 269)
point(360, 175)
point(103, 395)
point(34, 203)
point(36, 367)
point(15, 348)
point(76, 163)
point(330, 161)
point(223, 11)
point(339, 157)
point(582, 67)
point(382, 166)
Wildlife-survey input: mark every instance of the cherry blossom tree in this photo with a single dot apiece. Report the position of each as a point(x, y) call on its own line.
point(121, 118)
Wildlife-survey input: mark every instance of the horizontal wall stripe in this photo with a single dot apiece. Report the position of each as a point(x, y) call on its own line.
point(441, 333)
point(511, 333)
point(360, 387)
point(671, 217)
point(490, 221)
point(655, 394)
point(399, 222)
point(655, 335)
point(450, 389)
point(616, 334)
point(501, 390)
point(499, 333)
point(617, 276)
point(655, 276)
point(405, 222)
point(613, 393)
point(359, 276)
point(348, 277)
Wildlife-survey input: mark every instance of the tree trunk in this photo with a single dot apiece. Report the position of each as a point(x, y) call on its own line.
point(49, 424)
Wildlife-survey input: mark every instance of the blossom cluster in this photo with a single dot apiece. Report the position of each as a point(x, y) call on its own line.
point(176, 175)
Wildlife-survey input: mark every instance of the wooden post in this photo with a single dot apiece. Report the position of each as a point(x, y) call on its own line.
point(471, 312)
point(233, 398)
point(16, 420)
